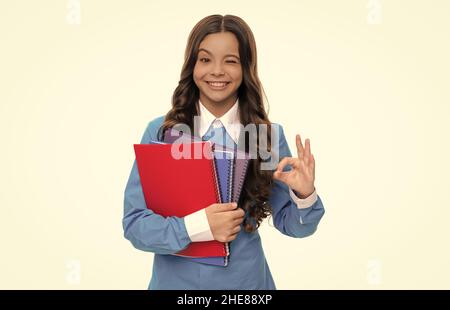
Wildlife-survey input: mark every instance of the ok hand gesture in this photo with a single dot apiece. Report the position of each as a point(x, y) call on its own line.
point(301, 177)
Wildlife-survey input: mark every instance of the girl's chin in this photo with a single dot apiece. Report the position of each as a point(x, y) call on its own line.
point(215, 98)
point(218, 100)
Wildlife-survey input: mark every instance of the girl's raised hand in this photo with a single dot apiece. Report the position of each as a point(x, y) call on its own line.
point(301, 177)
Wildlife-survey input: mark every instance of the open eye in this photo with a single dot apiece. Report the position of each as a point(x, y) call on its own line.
point(204, 59)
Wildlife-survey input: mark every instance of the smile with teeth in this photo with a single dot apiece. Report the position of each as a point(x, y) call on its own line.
point(218, 84)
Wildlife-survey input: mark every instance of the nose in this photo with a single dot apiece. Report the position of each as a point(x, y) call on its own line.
point(217, 69)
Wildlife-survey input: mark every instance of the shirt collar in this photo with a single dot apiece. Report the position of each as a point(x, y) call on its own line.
point(229, 120)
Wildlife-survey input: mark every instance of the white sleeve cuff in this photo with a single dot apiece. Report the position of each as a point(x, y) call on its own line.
point(197, 226)
point(303, 203)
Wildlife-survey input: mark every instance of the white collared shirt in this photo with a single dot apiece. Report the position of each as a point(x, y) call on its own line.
point(230, 120)
point(197, 224)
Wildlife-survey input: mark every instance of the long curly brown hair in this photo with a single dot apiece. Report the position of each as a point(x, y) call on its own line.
point(254, 198)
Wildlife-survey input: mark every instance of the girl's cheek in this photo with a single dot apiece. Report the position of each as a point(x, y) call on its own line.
point(201, 69)
point(236, 73)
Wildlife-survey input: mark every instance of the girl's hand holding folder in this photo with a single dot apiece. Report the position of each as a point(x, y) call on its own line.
point(224, 220)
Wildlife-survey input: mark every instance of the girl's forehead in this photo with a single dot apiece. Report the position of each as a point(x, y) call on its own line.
point(221, 41)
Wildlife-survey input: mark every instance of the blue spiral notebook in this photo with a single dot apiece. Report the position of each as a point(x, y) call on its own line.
point(224, 161)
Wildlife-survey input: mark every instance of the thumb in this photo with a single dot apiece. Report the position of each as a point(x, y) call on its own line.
point(223, 207)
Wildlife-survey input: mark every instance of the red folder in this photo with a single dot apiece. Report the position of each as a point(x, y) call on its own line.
point(176, 186)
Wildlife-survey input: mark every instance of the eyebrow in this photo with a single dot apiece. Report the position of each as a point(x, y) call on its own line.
point(205, 50)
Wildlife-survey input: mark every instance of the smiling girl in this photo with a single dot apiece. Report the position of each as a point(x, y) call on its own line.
point(219, 84)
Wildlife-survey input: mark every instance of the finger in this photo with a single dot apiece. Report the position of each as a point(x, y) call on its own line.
point(287, 161)
point(307, 153)
point(307, 148)
point(236, 229)
point(239, 213)
point(281, 176)
point(313, 163)
point(300, 149)
point(237, 222)
point(232, 237)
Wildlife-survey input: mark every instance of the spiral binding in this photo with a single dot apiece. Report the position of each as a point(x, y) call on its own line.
point(241, 180)
point(226, 258)
point(215, 177)
point(230, 180)
point(230, 194)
